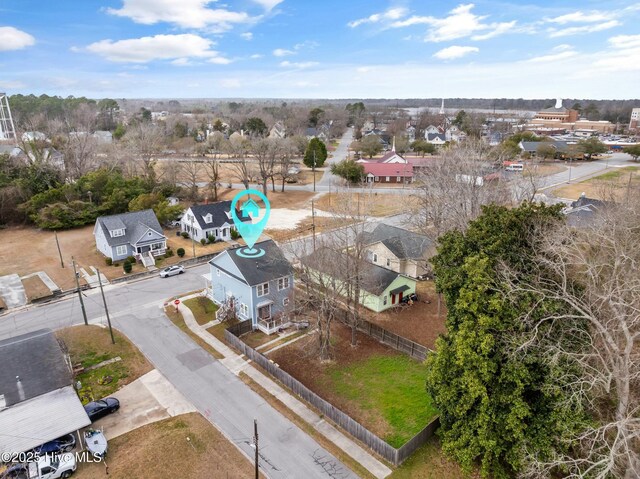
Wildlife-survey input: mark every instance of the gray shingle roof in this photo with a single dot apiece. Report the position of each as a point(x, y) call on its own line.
point(267, 267)
point(532, 146)
point(135, 223)
point(39, 362)
point(402, 243)
point(218, 213)
point(374, 279)
point(433, 136)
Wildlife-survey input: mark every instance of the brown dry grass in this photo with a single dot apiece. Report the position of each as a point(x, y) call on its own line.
point(419, 322)
point(372, 204)
point(305, 228)
point(35, 288)
point(288, 199)
point(544, 169)
point(161, 450)
point(613, 184)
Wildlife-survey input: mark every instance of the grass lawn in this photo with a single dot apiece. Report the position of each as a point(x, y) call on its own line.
point(161, 449)
point(177, 319)
point(428, 462)
point(612, 183)
point(90, 345)
point(256, 338)
point(218, 329)
point(378, 387)
point(202, 308)
point(35, 288)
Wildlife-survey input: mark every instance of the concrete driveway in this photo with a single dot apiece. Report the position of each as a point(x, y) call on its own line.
point(12, 291)
point(148, 399)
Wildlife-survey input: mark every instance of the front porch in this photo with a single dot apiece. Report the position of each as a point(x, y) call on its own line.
point(146, 253)
point(268, 323)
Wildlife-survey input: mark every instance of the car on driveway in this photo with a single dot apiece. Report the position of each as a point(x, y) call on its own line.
point(171, 271)
point(101, 408)
point(57, 446)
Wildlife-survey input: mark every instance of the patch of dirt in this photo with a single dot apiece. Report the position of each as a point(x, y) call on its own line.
point(372, 204)
point(161, 449)
point(35, 288)
point(419, 322)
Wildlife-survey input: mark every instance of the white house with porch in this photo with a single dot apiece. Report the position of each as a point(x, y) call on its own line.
point(211, 220)
point(136, 234)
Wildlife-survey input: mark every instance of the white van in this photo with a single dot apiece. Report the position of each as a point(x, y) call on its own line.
point(515, 167)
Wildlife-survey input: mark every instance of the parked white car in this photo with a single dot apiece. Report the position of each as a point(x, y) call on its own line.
point(53, 467)
point(171, 271)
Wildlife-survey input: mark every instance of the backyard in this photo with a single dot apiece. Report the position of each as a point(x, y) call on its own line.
point(91, 345)
point(378, 387)
point(419, 322)
point(185, 446)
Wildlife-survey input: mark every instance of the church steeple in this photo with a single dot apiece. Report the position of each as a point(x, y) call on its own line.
point(393, 145)
point(442, 107)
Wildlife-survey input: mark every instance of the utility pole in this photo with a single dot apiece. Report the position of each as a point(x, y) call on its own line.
point(313, 222)
point(193, 245)
point(255, 442)
point(75, 274)
point(106, 309)
point(58, 245)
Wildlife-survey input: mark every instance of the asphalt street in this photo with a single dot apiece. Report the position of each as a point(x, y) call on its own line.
point(136, 310)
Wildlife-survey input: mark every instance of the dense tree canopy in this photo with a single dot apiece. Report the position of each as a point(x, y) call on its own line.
point(496, 405)
point(350, 170)
point(316, 152)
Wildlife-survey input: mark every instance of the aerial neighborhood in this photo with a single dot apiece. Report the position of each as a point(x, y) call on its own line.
point(275, 240)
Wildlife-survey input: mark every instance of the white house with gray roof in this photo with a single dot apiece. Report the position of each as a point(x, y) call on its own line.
point(136, 234)
point(211, 220)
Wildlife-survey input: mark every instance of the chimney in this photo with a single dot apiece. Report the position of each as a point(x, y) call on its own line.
point(20, 389)
point(206, 200)
point(583, 195)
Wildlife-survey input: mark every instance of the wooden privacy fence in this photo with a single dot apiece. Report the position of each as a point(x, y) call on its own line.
point(346, 422)
point(404, 345)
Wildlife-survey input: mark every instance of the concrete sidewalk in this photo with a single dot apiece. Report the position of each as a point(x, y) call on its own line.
point(236, 364)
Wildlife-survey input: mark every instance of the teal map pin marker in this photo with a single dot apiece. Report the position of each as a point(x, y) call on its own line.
point(251, 228)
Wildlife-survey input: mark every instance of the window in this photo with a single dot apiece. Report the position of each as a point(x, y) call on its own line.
point(121, 250)
point(116, 233)
point(156, 246)
point(375, 178)
point(388, 179)
point(388, 262)
point(384, 299)
point(208, 218)
point(263, 289)
point(244, 310)
point(398, 179)
point(375, 258)
point(285, 302)
point(283, 283)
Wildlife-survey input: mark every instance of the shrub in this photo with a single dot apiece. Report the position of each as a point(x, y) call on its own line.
point(116, 264)
point(234, 234)
point(108, 261)
point(185, 235)
point(180, 252)
point(203, 241)
point(130, 259)
point(168, 253)
point(127, 267)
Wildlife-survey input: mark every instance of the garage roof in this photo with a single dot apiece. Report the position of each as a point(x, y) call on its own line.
point(38, 420)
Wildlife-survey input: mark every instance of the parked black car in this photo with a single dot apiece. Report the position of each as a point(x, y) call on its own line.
point(413, 297)
point(57, 446)
point(101, 408)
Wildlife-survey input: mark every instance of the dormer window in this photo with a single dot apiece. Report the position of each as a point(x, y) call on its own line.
point(208, 218)
point(116, 233)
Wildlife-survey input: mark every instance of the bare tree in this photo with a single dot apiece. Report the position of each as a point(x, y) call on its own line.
point(191, 171)
point(145, 141)
point(593, 273)
point(452, 191)
point(264, 152)
point(79, 145)
point(286, 153)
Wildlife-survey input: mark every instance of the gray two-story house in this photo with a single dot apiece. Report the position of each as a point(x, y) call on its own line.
point(259, 290)
point(136, 234)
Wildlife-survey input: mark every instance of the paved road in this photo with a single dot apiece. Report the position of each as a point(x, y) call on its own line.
point(286, 451)
point(341, 152)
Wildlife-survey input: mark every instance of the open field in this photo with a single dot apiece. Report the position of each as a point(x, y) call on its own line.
point(378, 387)
point(90, 345)
point(419, 322)
point(162, 450)
point(305, 227)
point(277, 199)
point(611, 185)
point(371, 204)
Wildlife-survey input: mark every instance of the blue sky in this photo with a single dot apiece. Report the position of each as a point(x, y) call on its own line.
point(320, 49)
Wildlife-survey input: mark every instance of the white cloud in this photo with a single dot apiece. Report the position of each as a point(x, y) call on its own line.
point(461, 22)
point(13, 39)
point(247, 35)
point(230, 83)
point(159, 47)
point(300, 65)
point(625, 41)
point(594, 16)
point(565, 32)
point(560, 52)
point(623, 56)
point(11, 85)
point(183, 13)
point(255, 56)
point(455, 51)
point(281, 52)
point(390, 14)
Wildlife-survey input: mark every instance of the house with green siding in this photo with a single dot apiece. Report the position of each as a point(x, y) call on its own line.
point(380, 288)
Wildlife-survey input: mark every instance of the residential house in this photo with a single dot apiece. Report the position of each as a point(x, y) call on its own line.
point(399, 250)
point(531, 147)
point(136, 234)
point(278, 130)
point(410, 133)
point(38, 402)
point(380, 288)
point(583, 211)
point(431, 130)
point(438, 139)
point(212, 220)
point(318, 133)
point(453, 133)
point(259, 290)
point(388, 172)
point(103, 137)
